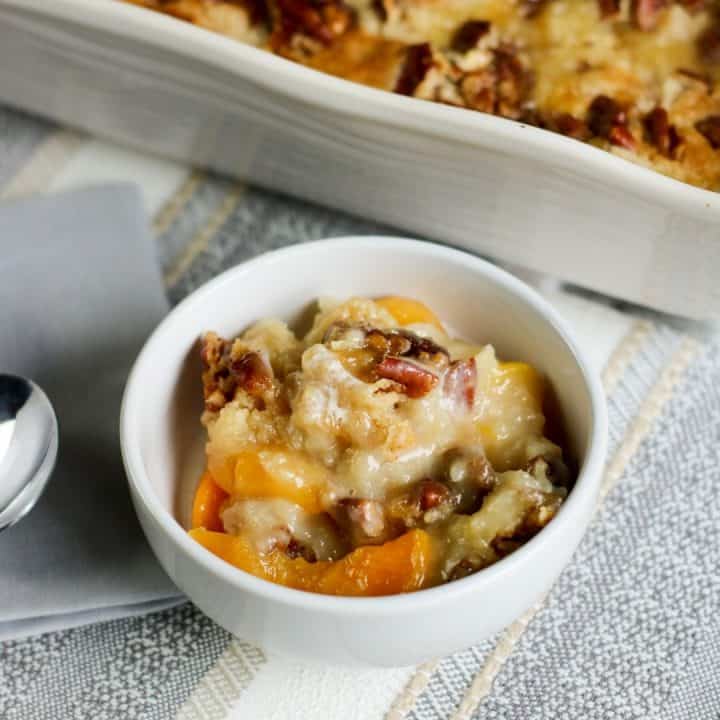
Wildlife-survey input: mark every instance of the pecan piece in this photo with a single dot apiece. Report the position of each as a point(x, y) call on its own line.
point(709, 128)
point(608, 8)
point(416, 381)
point(512, 83)
point(646, 13)
point(417, 64)
point(380, 10)
point(218, 385)
point(622, 137)
point(460, 382)
point(225, 374)
point(708, 44)
point(660, 132)
point(252, 373)
point(603, 114)
point(321, 20)
point(530, 8)
point(571, 126)
point(607, 119)
point(388, 343)
point(431, 494)
point(404, 343)
point(296, 549)
point(469, 34)
point(478, 90)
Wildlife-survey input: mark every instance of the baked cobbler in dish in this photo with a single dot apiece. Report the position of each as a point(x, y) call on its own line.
point(635, 77)
point(374, 455)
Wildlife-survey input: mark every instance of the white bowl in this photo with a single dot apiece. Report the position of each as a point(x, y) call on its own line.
point(492, 185)
point(162, 443)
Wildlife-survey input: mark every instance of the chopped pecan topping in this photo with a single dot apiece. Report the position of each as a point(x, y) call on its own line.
point(425, 502)
point(571, 126)
point(388, 343)
point(513, 83)
point(224, 375)
point(460, 382)
point(646, 13)
point(418, 61)
point(252, 373)
point(404, 343)
point(603, 114)
point(606, 119)
point(501, 88)
point(530, 8)
point(469, 34)
point(321, 20)
point(380, 10)
point(417, 381)
point(608, 8)
point(295, 549)
point(709, 128)
point(218, 386)
point(257, 10)
point(622, 137)
point(478, 90)
point(431, 494)
point(708, 44)
point(660, 132)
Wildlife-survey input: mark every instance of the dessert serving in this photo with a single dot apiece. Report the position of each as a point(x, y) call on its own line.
point(635, 77)
point(375, 454)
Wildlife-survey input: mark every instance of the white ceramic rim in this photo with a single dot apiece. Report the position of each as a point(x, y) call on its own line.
point(587, 483)
point(340, 96)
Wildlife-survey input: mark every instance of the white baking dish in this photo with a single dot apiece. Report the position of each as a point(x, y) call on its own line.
point(494, 186)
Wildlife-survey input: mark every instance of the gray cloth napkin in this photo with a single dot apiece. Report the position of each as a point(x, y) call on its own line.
point(80, 291)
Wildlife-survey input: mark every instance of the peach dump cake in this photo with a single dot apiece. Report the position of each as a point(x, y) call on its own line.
point(635, 77)
point(375, 455)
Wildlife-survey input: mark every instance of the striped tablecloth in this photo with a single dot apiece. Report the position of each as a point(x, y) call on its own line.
point(632, 627)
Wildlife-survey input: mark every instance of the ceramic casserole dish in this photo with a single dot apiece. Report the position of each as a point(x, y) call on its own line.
point(494, 186)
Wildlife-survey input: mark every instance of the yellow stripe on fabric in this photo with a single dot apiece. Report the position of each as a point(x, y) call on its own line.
point(202, 239)
point(222, 685)
point(405, 702)
point(178, 202)
point(45, 163)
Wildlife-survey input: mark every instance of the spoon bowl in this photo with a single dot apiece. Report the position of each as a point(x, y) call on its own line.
point(28, 446)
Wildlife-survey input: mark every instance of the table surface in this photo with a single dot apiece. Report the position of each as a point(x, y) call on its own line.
point(631, 629)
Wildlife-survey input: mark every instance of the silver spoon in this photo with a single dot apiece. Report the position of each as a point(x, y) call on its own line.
point(28, 446)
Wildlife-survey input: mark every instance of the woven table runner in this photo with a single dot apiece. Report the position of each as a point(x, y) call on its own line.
point(630, 630)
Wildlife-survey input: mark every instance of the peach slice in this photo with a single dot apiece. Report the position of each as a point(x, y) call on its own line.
point(208, 500)
point(266, 471)
point(275, 473)
point(408, 312)
point(513, 413)
point(401, 565)
point(521, 378)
